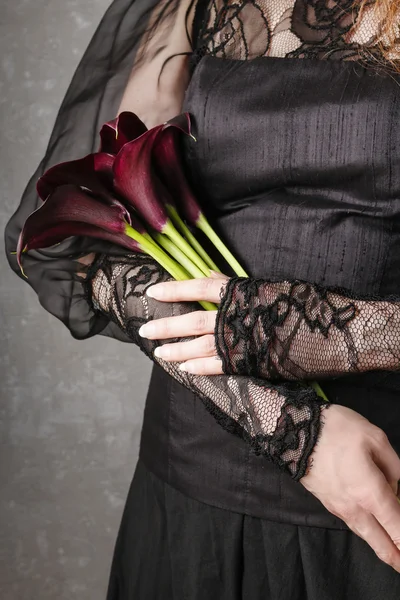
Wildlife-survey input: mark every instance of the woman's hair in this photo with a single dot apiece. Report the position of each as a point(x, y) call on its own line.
point(387, 13)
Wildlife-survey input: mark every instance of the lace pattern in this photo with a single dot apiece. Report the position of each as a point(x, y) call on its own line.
point(296, 330)
point(321, 29)
point(280, 422)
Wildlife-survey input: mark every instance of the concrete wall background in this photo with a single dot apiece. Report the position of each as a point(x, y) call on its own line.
point(70, 412)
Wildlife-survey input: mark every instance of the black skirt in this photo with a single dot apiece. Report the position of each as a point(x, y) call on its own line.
point(172, 547)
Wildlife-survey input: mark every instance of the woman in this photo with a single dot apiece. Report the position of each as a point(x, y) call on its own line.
point(297, 162)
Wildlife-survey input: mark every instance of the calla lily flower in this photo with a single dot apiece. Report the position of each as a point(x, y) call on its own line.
point(116, 133)
point(166, 154)
point(120, 174)
point(70, 211)
point(135, 181)
point(147, 194)
point(93, 172)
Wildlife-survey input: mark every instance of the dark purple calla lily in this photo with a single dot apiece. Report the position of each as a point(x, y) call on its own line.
point(98, 196)
point(166, 156)
point(118, 132)
point(92, 180)
point(168, 163)
point(146, 192)
point(93, 172)
point(136, 181)
point(70, 211)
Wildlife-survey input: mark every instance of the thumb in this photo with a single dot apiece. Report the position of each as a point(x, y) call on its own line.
point(216, 275)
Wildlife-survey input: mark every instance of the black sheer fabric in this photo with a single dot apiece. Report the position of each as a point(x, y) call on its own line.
point(280, 422)
point(296, 330)
point(132, 42)
point(319, 29)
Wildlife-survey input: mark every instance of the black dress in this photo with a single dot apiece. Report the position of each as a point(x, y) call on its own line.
point(298, 164)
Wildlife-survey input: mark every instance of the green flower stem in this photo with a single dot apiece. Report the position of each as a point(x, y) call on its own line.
point(148, 237)
point(171, 266)
point(175, 269)
point(151, 248)
point(183, 260)
point(319, 390)
point(181, 243)
point(207, 305)
point(178, 255)
point(206, 228)
point(184, 229)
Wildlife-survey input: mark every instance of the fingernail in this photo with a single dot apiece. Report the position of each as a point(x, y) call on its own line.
point(149, 292)
point(146, 330)
point(155, 291)
point(161, 352)
point(187, 367)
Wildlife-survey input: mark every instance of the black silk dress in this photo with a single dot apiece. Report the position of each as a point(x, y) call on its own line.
point(297, 163)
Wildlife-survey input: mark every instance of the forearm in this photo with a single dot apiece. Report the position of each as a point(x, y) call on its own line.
point(281, 422)
point(296, 330)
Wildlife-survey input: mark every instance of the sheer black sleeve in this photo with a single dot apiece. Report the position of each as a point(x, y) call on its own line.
point(297, 330)
point(280, 422)
point(136, 60)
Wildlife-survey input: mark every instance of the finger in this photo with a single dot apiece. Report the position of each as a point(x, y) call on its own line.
point(201, 347)
point(384, 506)
point(367, 527)
point(196, 323)
point(204, 288)
point(388, 461)
point(217, 275)
point(203, 366)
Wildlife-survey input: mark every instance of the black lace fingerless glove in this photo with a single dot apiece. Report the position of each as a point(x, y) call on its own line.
point(299, 331)
point(281, 422)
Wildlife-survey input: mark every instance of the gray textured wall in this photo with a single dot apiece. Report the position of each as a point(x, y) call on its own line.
point(70, 412)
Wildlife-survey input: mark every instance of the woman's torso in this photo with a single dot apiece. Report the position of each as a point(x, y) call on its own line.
point(298, 164)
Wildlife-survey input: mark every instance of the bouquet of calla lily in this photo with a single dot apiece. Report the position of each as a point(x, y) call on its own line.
point(132, 192)
point(128, 193)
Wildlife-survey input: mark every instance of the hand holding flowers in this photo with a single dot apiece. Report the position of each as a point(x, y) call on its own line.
point(198, 356)
point(133, 192)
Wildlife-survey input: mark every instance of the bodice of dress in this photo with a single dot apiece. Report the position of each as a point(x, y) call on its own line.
point(298, 162)
point(305, 156)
